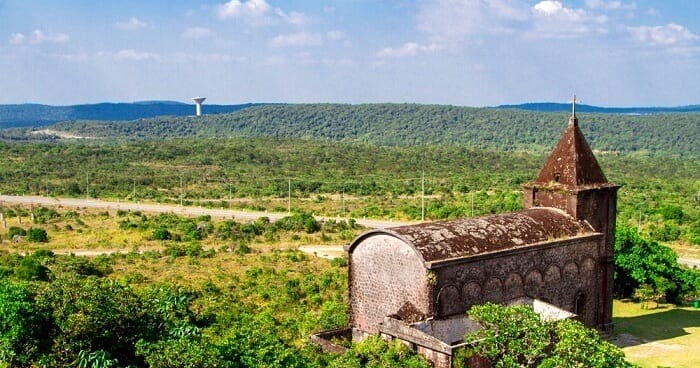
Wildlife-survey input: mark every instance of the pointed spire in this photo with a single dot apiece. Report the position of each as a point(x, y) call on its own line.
point(572, 162)
point(573, 120)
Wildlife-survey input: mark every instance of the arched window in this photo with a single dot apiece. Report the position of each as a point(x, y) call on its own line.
point(580, 305)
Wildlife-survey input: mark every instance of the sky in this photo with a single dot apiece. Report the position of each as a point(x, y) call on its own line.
point(457, 52)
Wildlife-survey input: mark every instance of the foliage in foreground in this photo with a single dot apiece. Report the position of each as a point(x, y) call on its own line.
point(83, 314)
point(516, 337)
point(376, 353)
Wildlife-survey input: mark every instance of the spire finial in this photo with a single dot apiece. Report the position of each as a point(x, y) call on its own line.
point(573, 120)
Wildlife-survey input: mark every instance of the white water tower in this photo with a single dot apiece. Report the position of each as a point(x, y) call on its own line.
point(198, 101)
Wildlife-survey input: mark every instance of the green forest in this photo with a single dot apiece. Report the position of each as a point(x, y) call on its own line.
point(413, 125)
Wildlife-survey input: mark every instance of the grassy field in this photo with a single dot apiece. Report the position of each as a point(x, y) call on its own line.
point(667, 336)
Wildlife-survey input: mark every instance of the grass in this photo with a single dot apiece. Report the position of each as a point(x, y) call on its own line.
point(667, 336)
point(91, 229)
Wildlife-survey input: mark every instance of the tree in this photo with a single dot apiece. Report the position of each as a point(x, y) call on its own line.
point(22, 325)
point(640, 261)
point(515, 336)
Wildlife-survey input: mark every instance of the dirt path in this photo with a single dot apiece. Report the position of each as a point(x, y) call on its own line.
point(323, 251)
point(168, 208)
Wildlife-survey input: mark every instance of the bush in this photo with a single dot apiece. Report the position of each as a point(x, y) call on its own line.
point(517, 337)
point(339, 262)
point(37, 235)
point(14, 230)
point(162, 233)
point(30, 269)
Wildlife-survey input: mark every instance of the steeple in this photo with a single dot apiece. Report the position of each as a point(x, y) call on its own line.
point(572, 162)
point(572, 181)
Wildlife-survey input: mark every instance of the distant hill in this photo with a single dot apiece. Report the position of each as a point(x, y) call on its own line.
point(414, 125)
point(556, 107)
point(35, 115)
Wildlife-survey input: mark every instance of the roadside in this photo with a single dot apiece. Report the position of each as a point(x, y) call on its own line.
point(169, 208)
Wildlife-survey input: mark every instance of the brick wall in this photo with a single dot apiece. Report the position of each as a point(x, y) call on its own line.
point(386, 277)
point(559, 274)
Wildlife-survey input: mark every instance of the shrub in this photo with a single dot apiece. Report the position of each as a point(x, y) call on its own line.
point(14, 230)
point(37, 235)
point(30, 269)
point(517, 337)
point(162, 233)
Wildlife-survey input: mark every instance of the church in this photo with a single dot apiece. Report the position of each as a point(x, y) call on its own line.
point(415, 283)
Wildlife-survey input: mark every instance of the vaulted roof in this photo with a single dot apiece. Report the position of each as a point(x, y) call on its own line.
point(572, 162)
point(462, 238)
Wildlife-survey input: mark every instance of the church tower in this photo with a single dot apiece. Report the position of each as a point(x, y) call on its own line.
point(571, 180)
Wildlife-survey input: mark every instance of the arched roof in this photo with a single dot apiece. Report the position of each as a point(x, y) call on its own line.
point(443, 240)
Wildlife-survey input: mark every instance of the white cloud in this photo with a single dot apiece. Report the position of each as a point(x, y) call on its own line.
point(409, 49)
point(551, 19)
point(132, 24)
point(668, 35)
point(196, 33)
point(208, 58)
point(258, 12)
point(456, 20)
point(610, 5)
point(17, 38)
point(38, 37)
point(297, 40)
point(131, 55)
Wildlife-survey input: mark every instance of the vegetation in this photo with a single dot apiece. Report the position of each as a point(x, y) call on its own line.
point(34, 115)
point(516, 337)
point(660, 196)
point(414, 125)
point(181, 304)
point(170, 309)
point(650, 271)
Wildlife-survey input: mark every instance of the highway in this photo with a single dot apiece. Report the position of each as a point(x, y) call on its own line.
point(169, 208)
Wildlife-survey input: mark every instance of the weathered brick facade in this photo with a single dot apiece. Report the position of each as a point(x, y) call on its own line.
point(387, 278)
point(561, 273)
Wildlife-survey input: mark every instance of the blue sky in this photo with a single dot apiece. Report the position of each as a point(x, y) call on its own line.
point(460, 52)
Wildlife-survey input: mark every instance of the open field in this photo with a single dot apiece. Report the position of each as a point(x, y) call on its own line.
point(667, 336)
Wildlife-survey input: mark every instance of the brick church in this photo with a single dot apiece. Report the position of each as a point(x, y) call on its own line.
point(415, 283)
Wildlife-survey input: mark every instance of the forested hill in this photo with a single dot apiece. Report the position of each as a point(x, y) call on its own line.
point(554, 107)
point(42, 115)
point(410, 124)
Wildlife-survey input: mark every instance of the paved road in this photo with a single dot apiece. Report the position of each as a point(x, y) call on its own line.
point(689, 262)
point(167, 208)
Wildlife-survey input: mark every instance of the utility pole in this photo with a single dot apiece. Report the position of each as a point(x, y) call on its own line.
point(422, 196)
point(289, 196)
point(181, 191)
point(639, 222)
point(472, 204)
point(87, 185)
point(134, 196)
point(229, 196)
point(342, 202)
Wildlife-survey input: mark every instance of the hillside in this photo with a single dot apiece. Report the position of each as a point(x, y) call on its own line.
point(560, 107)
point(411, 125)
point(34, 115)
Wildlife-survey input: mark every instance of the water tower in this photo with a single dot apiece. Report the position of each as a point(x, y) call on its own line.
point(198, 101)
